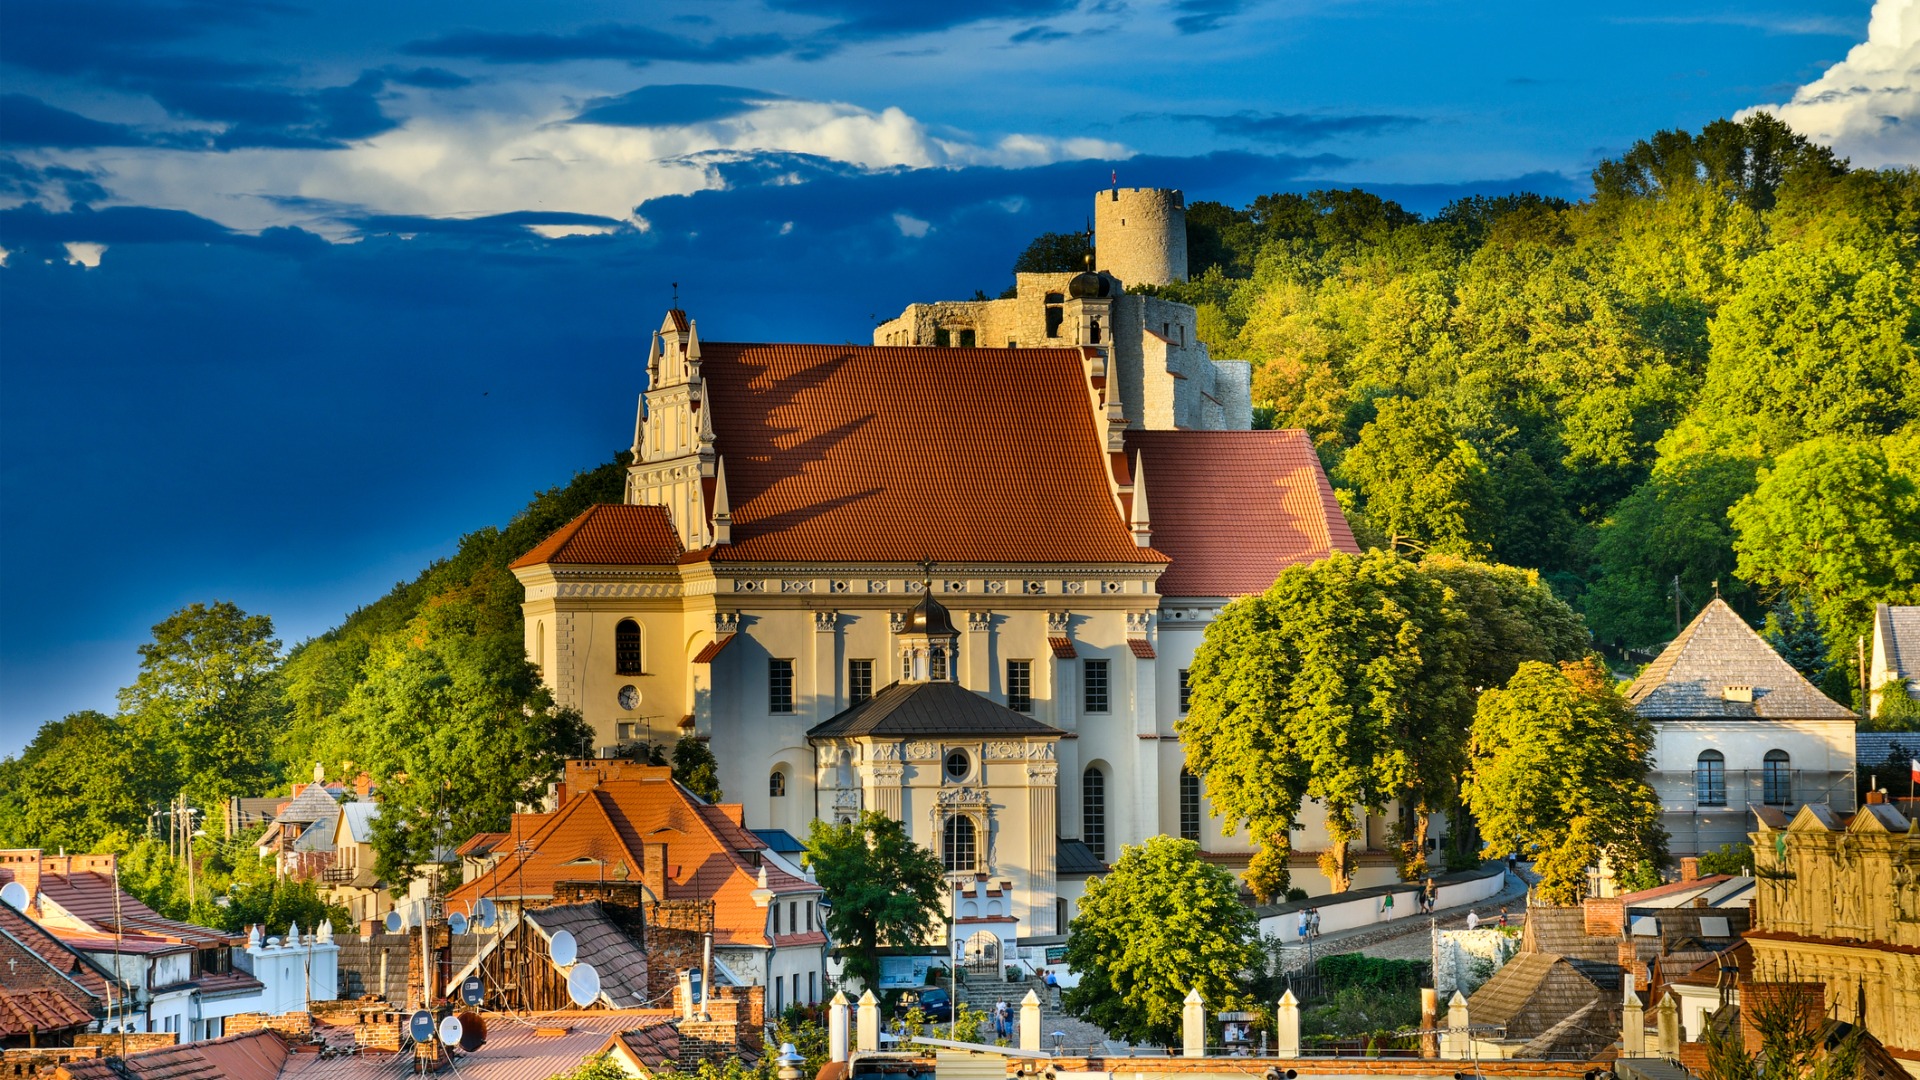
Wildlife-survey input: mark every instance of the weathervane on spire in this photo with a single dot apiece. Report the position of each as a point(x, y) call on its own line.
point(676, 294)
point(926, 574)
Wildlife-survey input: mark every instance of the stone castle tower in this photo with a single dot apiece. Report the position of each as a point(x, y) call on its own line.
point(1140, 235)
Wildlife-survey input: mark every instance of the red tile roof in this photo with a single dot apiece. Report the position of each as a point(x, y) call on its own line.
point(256, 1055)
point(89, 897)
point(21, 934)
point(712, 649)
point(1234, 508)
point(38, 1012)
point(611, 819)
point(1062, 646)
point(843, 453)
point(1141, 648)
point(610, 534)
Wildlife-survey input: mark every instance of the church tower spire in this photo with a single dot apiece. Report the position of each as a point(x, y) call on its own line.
point(1141, 523)
point(673, 441)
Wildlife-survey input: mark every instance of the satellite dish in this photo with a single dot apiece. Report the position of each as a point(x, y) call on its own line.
point(457, 923)
point(15, 895)
point(583, 985)
point(484, 913)
point(395, 923)
point(420, 1026)
point(563, 948)
point(451, 1030)
point(473, 991)
point(473, 1032)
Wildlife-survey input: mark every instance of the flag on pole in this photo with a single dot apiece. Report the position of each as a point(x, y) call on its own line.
point(1916, 770)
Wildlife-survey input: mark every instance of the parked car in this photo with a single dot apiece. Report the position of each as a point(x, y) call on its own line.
point(934, 1001)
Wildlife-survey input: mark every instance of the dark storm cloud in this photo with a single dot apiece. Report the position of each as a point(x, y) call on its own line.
point(1199, 16)
point(635, 45)
point(28, 121)
point(29, 183)
point(673, 105)
point(1038, 34)
point(1298, 128)
point(511, 224)
point(863, 19)
point(117, 39)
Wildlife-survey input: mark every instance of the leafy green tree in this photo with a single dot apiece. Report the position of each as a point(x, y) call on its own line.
point(1730, 859)
point(884, 888)
point(1673, 526)
point(1511, 617)
point(1557, 766)
point(694, 766)
point(1421, 487)
point(1817, 341)
point(1162, 922)
point(1344, 682)
point(1054, 253)
point(1833, 523)
point(1793, 629)
point(206, 704)
point(79, 781)
point(457, 731)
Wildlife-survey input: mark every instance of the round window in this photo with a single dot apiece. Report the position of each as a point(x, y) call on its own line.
point(629, 698)
point(958, 765)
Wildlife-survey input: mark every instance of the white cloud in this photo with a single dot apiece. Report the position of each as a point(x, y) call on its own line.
point(81, 253)
point(911, 226)
point(509, 156)
point(1867, 107)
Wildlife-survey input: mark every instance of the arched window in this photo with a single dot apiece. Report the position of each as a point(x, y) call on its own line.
point(1776, 787)
point(1710, 778)
point(939, 664)
point(540, 646)
point(626, 647)
point(1093, 811)
point(1189, 806)
point(776, 783)
point(960, 845)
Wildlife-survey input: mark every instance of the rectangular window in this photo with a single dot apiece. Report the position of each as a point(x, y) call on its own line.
point(809, 927)
point(626, 731)
point(813, 988)
point(966, 342)
point(1020, 685)
point(859, 681)
point(1186, 692)
point(1189, 806)
point(780, 686)
point(776, 920)
point(1094, 695)
point(942, 339)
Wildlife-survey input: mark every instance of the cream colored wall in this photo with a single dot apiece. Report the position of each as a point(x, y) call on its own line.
point(1140, 235)
point(1821, 753)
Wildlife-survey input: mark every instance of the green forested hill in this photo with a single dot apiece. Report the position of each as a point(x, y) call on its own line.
point(1705, 374)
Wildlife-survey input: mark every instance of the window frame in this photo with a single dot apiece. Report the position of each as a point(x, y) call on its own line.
point(1191, 815)
point(1776, 778)
point(628, 660)
point(950, 849)
point(950, 758)
point(777, 778)
point(1186, 691)
point(1020, 685)
point(1710, 778)
point(859, 682)
point(775, 679)
point(1093, 811)
point(1089, 703)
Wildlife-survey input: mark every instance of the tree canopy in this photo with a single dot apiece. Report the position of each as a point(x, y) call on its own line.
point(1162, 922)
point(1557, 766)
point(882, 888)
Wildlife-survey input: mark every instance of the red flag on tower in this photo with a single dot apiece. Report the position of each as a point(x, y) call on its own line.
point(1916, 770)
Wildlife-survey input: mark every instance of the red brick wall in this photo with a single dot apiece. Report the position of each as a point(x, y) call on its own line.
point(136, 1040)
point(1606, 916)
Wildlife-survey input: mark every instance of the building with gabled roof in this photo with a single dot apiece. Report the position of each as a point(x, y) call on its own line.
point(1735, 728)
point(789, 505)
point(620, 822)
point(1895, 668)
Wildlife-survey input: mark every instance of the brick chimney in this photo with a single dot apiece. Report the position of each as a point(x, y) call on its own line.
point(25, 865)
point(1631, 966)
point(1606, 916)
point(1810, 999)
point(1876, 797)
point(1689, 869)
point(654, 872)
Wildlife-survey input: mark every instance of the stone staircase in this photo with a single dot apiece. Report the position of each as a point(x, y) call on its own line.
point(982, 992)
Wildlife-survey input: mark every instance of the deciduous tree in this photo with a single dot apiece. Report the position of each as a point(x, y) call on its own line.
point(694, 766)
point(1344, 682)
point(883, 888)
point(1421, 487)
point(1162, 922)
point(1557, 767)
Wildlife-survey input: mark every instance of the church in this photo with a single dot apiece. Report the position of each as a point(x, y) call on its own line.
point(959, 586)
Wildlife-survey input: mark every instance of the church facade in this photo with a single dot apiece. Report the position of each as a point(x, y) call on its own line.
point(812, 531)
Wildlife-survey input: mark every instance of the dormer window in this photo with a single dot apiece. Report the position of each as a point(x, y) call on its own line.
point(1737, 693)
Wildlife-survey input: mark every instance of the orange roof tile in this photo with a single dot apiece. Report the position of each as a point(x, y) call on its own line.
point(610, 534)
point(1234, 508)
point(27, 1012)
point(842, 453)
point(1141, 648)
point(610, 817)
point(712, 649)
point(1062, 646)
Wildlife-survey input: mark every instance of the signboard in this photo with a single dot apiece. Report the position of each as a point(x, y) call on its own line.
point(421, 1026)
point(1056, 954)
point(900, 972)
point(473, 991)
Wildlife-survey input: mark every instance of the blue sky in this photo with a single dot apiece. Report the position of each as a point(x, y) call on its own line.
point(296, 294)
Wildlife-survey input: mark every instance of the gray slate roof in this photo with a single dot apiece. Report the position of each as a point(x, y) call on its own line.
point(314, 803)
point(1898, 631)
point(621, 961)
point(1531, 993)
point(929, 708)
point(1075, 857)
point(1717, 650)
point(1897, 748)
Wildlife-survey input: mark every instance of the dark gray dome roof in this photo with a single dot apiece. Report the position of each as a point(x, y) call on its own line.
point(929, 616)
point(1087, 285)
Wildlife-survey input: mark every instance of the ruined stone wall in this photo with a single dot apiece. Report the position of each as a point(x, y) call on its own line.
point(1140, 235)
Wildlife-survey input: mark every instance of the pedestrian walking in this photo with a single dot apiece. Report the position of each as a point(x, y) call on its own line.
point(1313, 923)
point(1303, 922)
point(1053, 988)
point(1503, 917)
point(1427, 896)
point(1473, 920)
